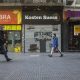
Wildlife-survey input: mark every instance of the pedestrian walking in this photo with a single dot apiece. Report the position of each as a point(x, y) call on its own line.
point(54, 46)
point(5, 42)
point(2, 45)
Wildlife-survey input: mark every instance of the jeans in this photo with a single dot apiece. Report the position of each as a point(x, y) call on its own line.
point(4, 52)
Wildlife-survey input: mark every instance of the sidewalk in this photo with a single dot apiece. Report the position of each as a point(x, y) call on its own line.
point(40, 67)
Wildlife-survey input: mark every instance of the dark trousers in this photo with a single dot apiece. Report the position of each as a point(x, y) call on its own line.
point(3, 52)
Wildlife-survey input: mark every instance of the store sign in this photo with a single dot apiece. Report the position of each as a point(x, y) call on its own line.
point(12, 27)
point(76, 29)
point(10, 17)
point(6, 17)
point(72, 14)
point(41, 17)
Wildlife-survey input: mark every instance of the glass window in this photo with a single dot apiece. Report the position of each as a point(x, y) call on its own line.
point(17, 35)
point(38, 37)
point(14, 40)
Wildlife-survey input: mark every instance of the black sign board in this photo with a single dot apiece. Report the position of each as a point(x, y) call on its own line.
point(41, 17)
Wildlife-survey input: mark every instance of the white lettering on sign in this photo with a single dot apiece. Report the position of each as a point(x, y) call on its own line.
point(33, 17)
point(41, 17)
point(5, 17)
point(50, 17)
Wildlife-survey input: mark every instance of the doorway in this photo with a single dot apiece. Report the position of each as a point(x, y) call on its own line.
point(74, 36)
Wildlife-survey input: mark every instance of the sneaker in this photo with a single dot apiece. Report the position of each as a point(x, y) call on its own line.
point(50, 55)
point(9, 59)
point(61, 55)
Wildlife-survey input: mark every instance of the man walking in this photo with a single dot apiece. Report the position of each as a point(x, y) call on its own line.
point(54, 46)
point(2, 46)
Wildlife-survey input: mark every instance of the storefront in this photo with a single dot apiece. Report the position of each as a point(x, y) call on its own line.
point(71, 37)
point(10, 20)
point(39, 26)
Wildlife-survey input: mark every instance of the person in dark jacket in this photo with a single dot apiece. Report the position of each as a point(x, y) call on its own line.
point(5, 42)
point(54, 46)
point(2, 47)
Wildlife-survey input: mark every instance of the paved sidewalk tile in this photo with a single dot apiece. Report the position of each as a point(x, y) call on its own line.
point(40, 67)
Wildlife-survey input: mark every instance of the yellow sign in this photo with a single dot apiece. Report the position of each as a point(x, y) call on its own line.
point(77, 29)
point(12, 27)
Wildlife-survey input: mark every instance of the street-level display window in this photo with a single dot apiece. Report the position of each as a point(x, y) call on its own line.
point(38, 37)
point(13, 37)
point(74, 38)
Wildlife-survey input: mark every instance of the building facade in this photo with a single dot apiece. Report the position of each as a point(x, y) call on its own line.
point(30, 24)
point(71, 29)
point(39, 24)
point(10, 20)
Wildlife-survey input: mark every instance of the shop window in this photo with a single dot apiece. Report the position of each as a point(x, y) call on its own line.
point(74, 37)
